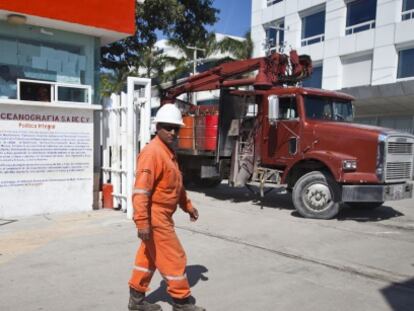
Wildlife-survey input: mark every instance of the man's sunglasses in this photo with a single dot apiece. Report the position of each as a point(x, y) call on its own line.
point(169, 128)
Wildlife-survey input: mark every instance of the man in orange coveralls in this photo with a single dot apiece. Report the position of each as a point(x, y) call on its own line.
point(157, 191)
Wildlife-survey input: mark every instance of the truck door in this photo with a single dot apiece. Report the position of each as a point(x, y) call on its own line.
point(281, 140)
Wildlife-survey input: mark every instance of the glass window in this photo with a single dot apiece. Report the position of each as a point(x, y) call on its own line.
point(271, 2)
point(315, 80)
point(320, 108)
point(362, 64)
point(405, 63)
point(275, 35)
point(27, 55)
point(72, 94)
point(408, 5)
point(360, 12)
point(287, 108)
point(408, 10)
point(35, 91)
point(313, 25)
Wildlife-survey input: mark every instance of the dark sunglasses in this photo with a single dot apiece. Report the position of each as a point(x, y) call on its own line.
point(169, 128)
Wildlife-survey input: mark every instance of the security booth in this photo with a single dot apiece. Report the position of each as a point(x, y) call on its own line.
point(49, 104)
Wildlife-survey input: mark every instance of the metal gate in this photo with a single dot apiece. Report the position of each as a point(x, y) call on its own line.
point(125, 131)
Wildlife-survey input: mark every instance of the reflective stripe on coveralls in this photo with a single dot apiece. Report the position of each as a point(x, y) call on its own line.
point(158, 174)
point(142, 269)
point(175, 278)
point(141, 191)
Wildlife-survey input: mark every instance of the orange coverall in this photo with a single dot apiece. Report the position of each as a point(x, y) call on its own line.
point(157, 191)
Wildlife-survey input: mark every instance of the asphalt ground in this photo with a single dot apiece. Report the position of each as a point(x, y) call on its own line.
point(243, 254)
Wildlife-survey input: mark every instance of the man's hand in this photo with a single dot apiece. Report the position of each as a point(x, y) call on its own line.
point(194, 214)
point(144, 234)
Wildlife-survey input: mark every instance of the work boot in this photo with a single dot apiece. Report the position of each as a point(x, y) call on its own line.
point(185, 305)
point(137, 302)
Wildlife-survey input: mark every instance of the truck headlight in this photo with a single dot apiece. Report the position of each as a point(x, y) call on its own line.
point(349, 165)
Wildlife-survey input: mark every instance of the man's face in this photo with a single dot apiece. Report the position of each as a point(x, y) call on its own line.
point(168, 133)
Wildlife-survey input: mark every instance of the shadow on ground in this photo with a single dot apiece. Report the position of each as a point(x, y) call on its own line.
point(274, 198)
point(364, 215)
point(400, 296)
point(195, 273)
point(278, 199)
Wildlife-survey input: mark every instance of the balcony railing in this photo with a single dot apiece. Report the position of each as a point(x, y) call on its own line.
point(314, 39)
point(406, 15)
point(360, 27)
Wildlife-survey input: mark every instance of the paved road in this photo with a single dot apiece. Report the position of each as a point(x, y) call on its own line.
point(242, 255)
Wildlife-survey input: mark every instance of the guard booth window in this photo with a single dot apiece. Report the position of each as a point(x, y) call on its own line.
point(287, 108)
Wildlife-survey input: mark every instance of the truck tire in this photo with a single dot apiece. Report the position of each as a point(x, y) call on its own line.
point(316, 195)
point(365, 205)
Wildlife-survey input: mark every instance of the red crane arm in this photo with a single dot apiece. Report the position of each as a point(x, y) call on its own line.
point(275, 69)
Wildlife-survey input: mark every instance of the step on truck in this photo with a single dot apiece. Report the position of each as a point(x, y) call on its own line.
point(268, 130)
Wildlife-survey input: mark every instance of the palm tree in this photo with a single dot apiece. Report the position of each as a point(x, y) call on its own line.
point(183, 65)
point(239, 49)
point(112, 82)
point(230, 48)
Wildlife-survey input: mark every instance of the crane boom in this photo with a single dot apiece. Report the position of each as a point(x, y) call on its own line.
point(273, 70)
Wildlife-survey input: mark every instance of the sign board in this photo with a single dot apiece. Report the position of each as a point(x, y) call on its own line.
point(46, 160)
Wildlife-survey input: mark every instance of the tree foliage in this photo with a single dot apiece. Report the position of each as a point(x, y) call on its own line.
point(181, 20)
point(239, 49)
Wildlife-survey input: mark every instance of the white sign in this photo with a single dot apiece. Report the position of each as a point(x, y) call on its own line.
point(46, 160)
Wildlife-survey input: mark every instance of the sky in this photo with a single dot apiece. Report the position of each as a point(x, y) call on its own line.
point(235, 16)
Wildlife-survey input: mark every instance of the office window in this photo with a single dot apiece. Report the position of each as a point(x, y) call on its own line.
point(407, 9)
point(405, 63)
point(315, 80)
point(313, 28)
point(356, 71)
point(36, 60)
point(275, 35)
point(271, 2)
point(360, 15)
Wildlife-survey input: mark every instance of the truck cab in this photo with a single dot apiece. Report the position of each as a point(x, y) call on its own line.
point(306, 140)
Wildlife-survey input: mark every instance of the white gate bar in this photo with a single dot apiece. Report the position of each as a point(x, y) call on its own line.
point(105, 138)
point(143, 136)
point(124, 148)
point(115, 143)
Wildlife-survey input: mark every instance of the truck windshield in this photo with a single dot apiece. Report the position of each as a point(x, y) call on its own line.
point(322, 108)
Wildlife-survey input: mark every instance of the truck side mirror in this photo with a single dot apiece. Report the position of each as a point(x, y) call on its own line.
point(273, 109)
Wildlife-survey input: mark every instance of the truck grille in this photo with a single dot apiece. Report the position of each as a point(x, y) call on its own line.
point(399, 159)
point(400, 148)
point(399, 170)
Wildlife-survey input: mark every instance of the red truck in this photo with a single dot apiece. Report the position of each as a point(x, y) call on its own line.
point(268, 130)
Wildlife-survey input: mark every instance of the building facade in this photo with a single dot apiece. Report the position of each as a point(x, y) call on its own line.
point(49, 130)
point(361, 47)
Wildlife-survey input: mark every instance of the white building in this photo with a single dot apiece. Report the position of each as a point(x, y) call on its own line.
point(361, 47)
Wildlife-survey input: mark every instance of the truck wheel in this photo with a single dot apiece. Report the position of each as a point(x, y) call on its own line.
point(316, 195)
point(365, 205)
